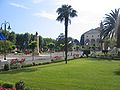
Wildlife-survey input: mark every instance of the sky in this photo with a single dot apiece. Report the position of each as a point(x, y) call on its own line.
point(40, 16)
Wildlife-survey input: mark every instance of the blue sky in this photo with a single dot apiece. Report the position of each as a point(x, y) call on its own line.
point(40, 15)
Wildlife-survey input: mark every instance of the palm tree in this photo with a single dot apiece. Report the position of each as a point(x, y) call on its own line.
point(109, 24)
point(51, 47)
point(108, 28)
point(64, 14)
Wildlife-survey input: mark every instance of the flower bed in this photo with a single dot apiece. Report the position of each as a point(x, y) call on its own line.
point(7, 88)
point(14, 61)
point(57, 58)
point(17, 63)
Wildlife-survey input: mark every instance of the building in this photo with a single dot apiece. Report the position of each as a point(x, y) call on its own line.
point(91, 38)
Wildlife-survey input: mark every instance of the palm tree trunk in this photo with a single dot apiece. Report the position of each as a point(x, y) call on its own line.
point(66, 40)
point(118, 40)
point(118, 37)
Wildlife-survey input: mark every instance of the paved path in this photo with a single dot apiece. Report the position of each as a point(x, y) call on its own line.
point(37, 59)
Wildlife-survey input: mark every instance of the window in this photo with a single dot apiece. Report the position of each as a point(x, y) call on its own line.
point(87, 41)
point(98, 40)
point(92, 41)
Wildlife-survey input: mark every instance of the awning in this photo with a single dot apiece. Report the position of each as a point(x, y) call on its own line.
point(2, 36)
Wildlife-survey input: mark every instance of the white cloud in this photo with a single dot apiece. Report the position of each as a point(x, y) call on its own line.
point(37, 1)
point(45, 14)
point(19, 5)
point(90, 13)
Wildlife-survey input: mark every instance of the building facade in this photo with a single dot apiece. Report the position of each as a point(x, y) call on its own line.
point(91, 38)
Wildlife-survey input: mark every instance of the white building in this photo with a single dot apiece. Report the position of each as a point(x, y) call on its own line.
point(92, 37)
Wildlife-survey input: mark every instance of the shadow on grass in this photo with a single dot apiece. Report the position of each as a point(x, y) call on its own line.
point(117, 72)
point(51, 65)
point(19, 71)
point(30, 69)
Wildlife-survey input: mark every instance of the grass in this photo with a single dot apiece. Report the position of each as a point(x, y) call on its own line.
point(80, 74)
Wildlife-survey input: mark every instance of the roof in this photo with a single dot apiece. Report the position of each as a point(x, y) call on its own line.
point(96, 30)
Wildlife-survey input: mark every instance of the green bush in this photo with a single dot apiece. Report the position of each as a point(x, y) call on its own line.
point(44, 63)
point(39, 63)
point(34, 64)
point(6, 67)
point(27, 65)
point(86, 52)
point(6, 85)
point(20, 85)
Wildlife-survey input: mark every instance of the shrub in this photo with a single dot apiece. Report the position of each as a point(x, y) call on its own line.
point(56, 61)
point(76, 56)
point(6, 85)
point(34, 64)
point(39, 63)
point(6, 67)
point(20, 85)
point(86, 52)
point(27, 65)
point(105, 51)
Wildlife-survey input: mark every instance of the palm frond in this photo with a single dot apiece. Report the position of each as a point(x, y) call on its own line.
point(109, 24)
point(66, 11)
point(60, 18)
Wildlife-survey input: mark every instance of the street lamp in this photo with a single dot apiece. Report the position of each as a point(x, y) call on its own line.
point(5, 26)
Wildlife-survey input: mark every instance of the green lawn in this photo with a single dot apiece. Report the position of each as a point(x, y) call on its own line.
point(80, 74)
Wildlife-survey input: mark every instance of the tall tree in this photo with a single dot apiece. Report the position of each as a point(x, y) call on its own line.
point(20, 41)
point(60, 41)
point(26, 39)
point(32, 46)
point(12, 37)
point(46, 41)
point(65, 12)
point(51, 47)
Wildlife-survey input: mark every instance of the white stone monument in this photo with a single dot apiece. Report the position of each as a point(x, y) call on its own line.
point(37, 48)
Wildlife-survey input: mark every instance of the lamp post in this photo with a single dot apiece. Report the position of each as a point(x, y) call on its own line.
point(5, 26)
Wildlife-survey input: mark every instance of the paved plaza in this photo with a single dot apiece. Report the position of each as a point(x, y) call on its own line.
point(44, 57)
